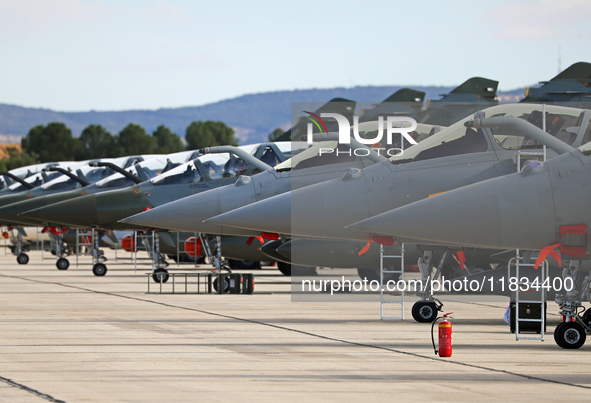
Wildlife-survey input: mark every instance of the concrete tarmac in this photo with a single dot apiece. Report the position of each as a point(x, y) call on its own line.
point(70, 336)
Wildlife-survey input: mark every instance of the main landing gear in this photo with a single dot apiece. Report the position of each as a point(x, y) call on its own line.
point(572, 333)
point(218, 262)
point(20, 247)
point(56, 238)
point(99, 268)
point(427, 309)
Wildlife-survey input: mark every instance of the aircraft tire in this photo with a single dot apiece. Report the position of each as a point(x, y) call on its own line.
point(23, 258)
point(62, 263)
point(160, 273)
point(99, 269)
point(424, 311)
point(570, 335)
point(226, 284)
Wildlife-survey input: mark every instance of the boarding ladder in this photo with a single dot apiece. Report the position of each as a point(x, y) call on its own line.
point(541, 279)
point(520, 157)
point(384, 271)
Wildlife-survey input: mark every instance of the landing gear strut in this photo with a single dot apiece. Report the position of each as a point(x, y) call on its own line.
point(218, 262)
point(426, 310)
point(572, 333)
point(98, 256)
point(159, 272)
point(56, 237)
point(20, 247)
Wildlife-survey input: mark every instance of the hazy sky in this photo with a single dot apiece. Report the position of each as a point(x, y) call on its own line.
point(109, 55)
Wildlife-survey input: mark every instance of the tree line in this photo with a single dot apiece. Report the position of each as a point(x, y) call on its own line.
point(54, 142)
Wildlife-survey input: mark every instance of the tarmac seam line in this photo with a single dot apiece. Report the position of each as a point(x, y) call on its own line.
point(32, 391)
point(436, 359)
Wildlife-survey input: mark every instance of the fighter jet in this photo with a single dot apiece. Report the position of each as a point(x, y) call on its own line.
point(103, 210)
point(542, 208)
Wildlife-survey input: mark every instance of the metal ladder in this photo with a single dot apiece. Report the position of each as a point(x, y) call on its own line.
point(383, 287)
point(541, 278)
point(543, 274)
point(84, 238)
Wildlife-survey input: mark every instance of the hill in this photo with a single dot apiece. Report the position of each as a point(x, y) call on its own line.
point(253, 116)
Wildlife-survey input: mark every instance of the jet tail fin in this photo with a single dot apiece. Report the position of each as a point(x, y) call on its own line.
point(406, 95)
point(484, 87)
point(580, 71)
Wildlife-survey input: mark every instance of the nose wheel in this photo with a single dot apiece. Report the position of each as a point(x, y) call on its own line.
point(425, 311)
point(22, 258)
point(226, 281)
point(570, 335)
point(160, 275)
point(62, 263)
point(99, 269)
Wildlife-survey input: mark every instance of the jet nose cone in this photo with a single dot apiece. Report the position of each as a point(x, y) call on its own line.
point(285, 250)
point(270, 215)
point(79, 212)
point(500, 213)
point(186, 214)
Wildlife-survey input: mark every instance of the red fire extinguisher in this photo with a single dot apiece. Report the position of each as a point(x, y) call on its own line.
point(445, 346)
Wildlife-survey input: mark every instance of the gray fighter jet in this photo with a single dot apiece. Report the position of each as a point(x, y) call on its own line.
point(542, 208)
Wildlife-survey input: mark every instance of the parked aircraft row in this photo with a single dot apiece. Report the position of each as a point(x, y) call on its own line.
point(323, 205)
